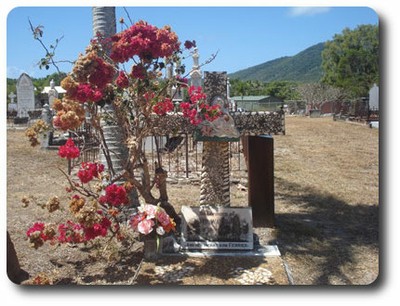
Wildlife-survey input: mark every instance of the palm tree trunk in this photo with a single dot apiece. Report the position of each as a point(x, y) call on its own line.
point(104, 22)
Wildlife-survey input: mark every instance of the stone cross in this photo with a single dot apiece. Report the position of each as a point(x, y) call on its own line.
point(195, 74)
point(215, 182)
point(12, 96)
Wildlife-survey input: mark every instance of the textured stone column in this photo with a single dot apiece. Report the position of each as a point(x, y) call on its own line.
point(215, 182)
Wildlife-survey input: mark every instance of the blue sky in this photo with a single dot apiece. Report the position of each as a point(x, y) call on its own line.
point(243, 36)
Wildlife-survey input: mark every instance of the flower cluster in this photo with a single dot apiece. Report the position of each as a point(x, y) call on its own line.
point(163, 107)
point(122, 80)
point(190, 44)
point(90, 77)
point(89, 171)
point(91, 221)
point(114, 195)
point(197, 110)
point(150, 218)
point(69, 150)
point(32, 132)
point(39, 233)
point(98, 229)
point(145, 41)
point(70, 232)
point(69, 114)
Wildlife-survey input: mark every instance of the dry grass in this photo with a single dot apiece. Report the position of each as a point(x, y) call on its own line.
point(326, 198)
point(327, 195)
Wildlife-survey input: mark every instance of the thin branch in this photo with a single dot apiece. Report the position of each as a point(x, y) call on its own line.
point(127, 14)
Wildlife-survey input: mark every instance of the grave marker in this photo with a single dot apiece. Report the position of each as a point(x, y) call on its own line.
point(25, 96)
point(217, 228)
point(12, 106)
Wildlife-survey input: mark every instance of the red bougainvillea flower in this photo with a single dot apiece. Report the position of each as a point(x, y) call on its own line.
point(39, 233)
point(197, 109)
point(70, 232)
point(138, 72)
point(163, 107)
point(145, 41)
point(115, 195)
point(69, 150)
point(122, 80)
point(89, 171)
point(190, 44)
point(102, 74)
point(88, 93)
point(196, 94)
point(36, 227)
point(98, 229)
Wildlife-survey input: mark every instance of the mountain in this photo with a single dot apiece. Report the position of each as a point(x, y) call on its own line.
point(302, 67)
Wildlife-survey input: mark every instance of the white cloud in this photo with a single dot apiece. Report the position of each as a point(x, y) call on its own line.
point(307, 11)
point(15, 72)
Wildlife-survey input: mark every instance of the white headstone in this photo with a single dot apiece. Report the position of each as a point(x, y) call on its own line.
point(374, 98)
point(12, 106)
point(25, 95)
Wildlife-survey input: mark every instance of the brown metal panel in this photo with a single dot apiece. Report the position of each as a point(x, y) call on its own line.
point(260, 151)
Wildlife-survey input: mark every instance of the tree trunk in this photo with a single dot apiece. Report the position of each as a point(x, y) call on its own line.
point(14, 271)
point(104, 22)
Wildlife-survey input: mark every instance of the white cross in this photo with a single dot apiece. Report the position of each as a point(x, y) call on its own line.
point(12, 96)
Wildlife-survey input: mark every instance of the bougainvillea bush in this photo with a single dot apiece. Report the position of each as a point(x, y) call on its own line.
point(126, 72)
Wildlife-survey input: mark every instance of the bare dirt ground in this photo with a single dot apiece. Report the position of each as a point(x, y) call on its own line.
point(326, 203)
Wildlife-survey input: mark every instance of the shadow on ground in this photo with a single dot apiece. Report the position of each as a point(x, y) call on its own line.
point(325, 230)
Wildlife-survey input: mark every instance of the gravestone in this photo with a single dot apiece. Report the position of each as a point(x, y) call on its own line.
point(217, 228)
point(374, 98)
point(195, 74)
point(12, 106)
point(214, 224)
point(25, 96)
point(215, 183)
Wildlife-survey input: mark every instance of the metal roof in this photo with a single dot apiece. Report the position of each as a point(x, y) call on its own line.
point(250, 98)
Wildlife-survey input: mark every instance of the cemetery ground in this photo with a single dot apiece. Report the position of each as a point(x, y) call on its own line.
point(326, 205)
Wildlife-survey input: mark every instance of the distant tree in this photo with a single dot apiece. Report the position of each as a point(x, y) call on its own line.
point(240, 88)
point(315, 94)
point(351, 60)
point(284, 90)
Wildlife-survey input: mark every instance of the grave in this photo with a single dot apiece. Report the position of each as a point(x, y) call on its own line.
point(25, 97)
point(374, 97)
point(217, 228)
point(214, 225)
point(12, 106)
